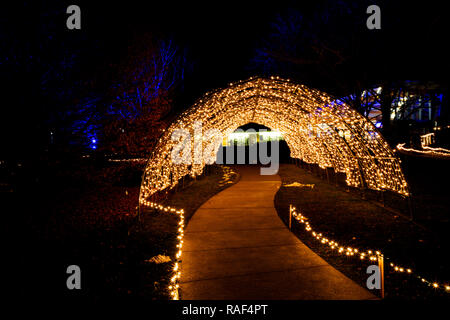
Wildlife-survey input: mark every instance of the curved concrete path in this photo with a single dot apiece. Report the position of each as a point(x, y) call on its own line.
point(236, 247)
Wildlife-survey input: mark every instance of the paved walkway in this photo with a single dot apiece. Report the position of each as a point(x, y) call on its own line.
point(236, 247)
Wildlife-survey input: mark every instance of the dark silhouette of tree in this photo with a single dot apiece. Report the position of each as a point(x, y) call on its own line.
point(41, 68)
point(130, 116)
point(313, 44)
point(327, 45)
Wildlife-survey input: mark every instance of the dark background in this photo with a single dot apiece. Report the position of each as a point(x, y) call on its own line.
point(220, 38)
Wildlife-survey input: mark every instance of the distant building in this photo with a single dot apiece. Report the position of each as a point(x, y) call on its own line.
point(410, 101)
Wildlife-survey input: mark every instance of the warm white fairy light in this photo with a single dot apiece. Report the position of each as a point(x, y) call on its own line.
point(128, 160)
point(363, 254)
point(317, 128)
point(174, 285)
point(440, 152)
point(437, 149)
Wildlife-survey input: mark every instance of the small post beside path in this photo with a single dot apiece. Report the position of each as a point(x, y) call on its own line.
point(381, 267)
point(290, 217)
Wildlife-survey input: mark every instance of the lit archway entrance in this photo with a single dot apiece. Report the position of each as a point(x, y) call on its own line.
point(252, 144)
point(317, 128)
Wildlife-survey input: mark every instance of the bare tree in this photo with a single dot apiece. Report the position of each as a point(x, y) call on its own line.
point(130, 116)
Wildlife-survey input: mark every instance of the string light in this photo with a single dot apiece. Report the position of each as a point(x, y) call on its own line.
point(441, 128)
point(176, 273)
point(317, 128)
point(427, 139)
point(441, 152)
point(437, 149)
point(128, 160)
point(363, 254)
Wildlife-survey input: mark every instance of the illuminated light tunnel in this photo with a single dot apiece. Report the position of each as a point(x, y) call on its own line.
point(318, 129)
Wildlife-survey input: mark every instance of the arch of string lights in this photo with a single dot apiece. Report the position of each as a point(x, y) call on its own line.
point(318, 129)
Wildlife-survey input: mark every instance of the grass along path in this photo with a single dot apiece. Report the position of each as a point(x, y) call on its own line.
point(85, 214)
point(346, 218)
point(157, 232)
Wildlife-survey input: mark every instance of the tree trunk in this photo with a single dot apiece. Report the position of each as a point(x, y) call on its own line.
point(386, 109)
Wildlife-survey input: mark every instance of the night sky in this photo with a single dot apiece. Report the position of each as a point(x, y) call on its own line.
point(220, 39)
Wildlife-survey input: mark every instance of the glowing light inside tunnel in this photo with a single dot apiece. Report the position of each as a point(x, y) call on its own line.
point(317, 128)
point(261, 136)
